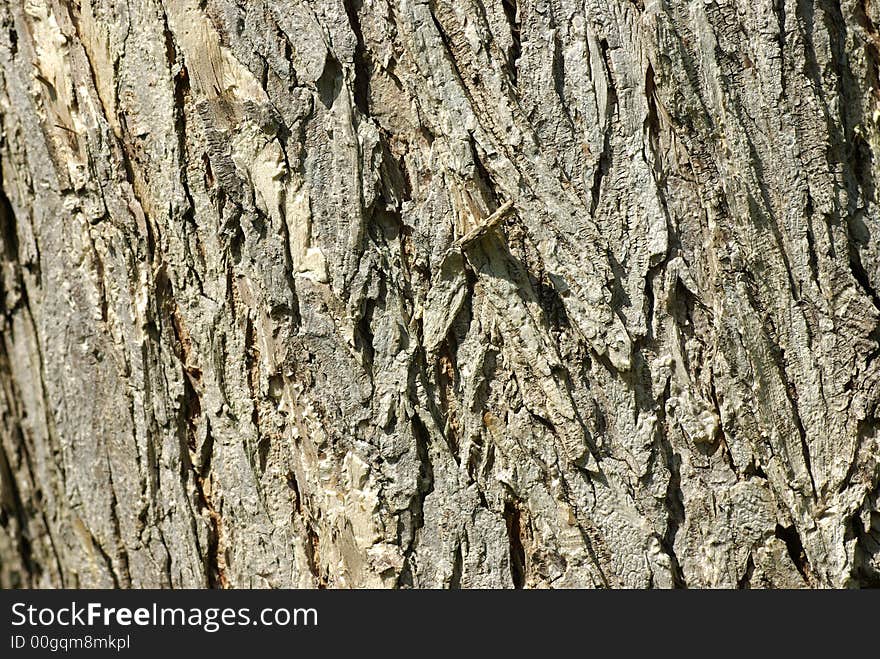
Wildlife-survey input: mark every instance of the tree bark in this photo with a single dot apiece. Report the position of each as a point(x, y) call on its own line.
point(260, 326)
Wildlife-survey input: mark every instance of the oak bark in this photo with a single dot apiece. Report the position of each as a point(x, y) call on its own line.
point(256, 333)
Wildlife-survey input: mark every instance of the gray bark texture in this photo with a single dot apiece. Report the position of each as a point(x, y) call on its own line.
point(439, 293)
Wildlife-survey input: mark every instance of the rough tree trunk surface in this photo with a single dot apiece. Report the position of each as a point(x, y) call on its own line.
point(255, 332)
